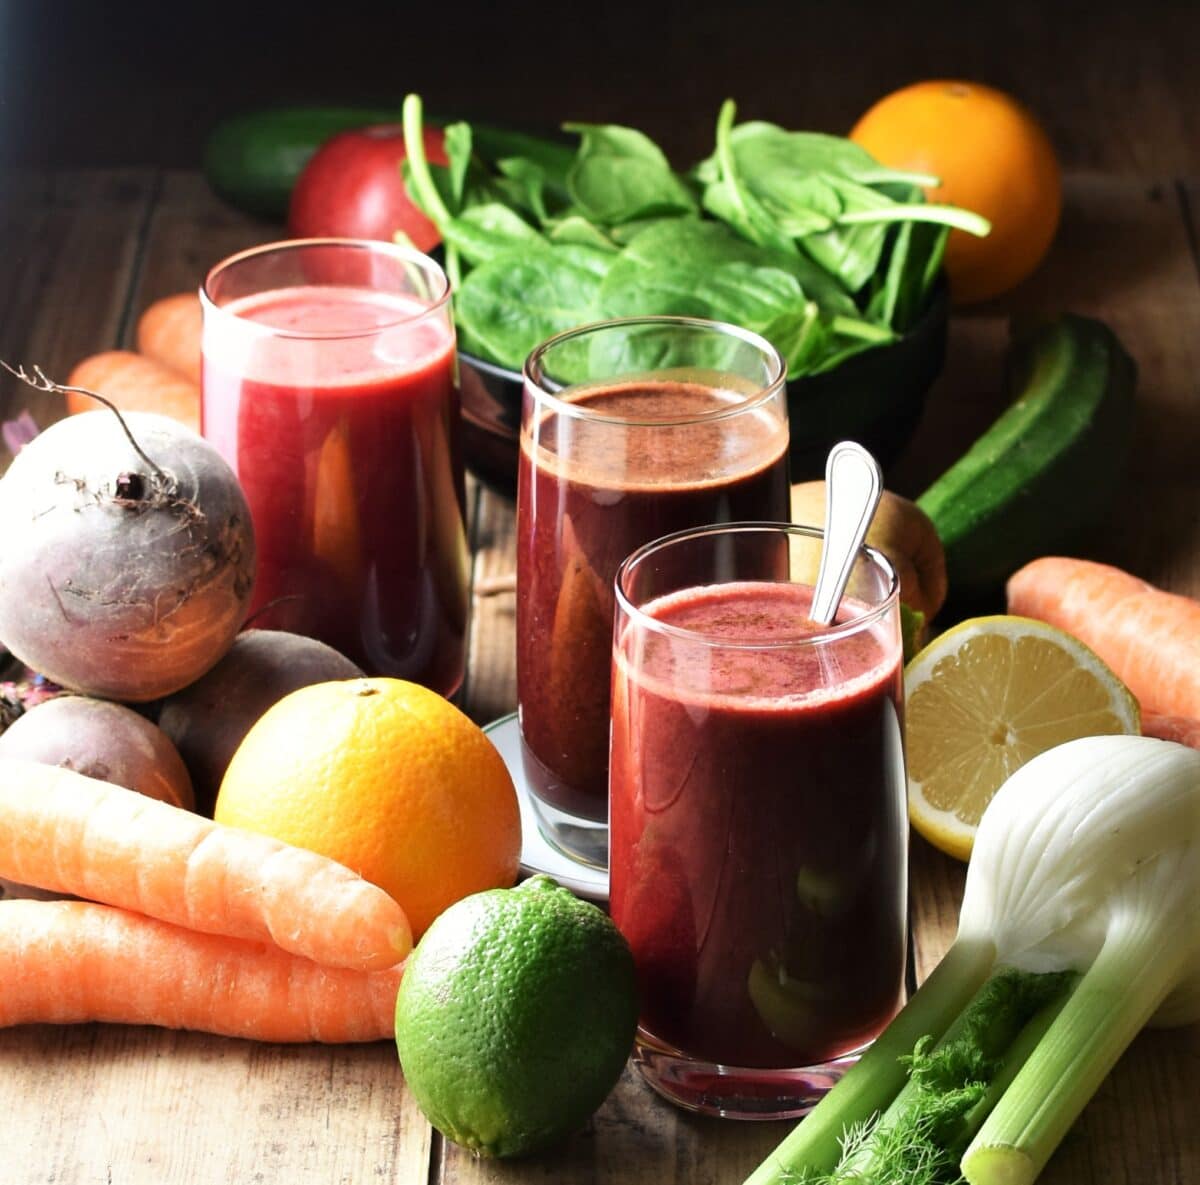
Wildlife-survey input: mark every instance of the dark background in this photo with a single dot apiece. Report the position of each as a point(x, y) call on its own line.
point(109, 83)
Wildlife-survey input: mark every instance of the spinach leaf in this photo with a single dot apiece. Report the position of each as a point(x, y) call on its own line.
point(575, 228)
point(707, 243)
point(733, 201)
point(631, 348)
point(851, 253)
point(495, 145)
point(619, 174)
point(765, 149)
point(519, 298)
point(457, 146)
point(824, 193)
point(628, 231)
point(591, 259)
point(531, 187)
point(799, 336)
point(485, 231)
point(740, 293)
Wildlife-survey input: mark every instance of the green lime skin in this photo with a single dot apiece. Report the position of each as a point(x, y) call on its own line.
point(515, 1017)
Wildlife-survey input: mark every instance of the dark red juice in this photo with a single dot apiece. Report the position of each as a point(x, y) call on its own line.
point(758, 835)
point(591, 492)
point(346, 447)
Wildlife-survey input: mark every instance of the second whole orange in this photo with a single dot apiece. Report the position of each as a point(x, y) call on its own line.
point(387, 778)
point(991, 156)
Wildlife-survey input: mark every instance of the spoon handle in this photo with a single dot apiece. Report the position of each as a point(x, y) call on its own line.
point(853, 485)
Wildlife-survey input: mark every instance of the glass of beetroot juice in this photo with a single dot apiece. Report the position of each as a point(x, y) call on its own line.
point(329, 384)
point(758, 828)
point(630, 429)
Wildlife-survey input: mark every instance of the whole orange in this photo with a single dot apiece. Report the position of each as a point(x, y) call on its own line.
point(992, 157)
point(387, 778)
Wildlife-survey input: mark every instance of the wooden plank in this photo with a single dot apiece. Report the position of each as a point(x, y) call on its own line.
point(635, 1138)
point(71, 242)
point(492, 688)
point(188, 232)
point(104, 1103)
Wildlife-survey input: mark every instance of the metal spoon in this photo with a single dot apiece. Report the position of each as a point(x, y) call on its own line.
point(853, 485)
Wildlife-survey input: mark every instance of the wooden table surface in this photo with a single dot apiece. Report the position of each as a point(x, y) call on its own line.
point(83, 253)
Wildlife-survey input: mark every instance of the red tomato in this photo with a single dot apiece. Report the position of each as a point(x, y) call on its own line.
point(353, 187)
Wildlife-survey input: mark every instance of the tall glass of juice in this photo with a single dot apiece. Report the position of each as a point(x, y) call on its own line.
point(329, 384)
point(758, 826)
point(630, 429)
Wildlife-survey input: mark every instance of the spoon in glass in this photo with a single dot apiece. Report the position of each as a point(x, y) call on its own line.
point(853, 485)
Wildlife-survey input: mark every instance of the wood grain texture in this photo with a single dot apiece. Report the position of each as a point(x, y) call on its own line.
point(492, 663)
point(138, 1106)
point(186, 233)
point(70, 247)
point(99, 1103)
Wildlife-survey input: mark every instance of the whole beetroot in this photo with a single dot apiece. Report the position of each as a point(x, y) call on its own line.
point(208, 720)
point(128, 557)
point(100, 740)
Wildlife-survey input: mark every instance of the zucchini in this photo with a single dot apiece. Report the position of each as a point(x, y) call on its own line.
point(1047, 469)
point(253, 160)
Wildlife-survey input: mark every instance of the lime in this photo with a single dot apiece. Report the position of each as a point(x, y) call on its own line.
point(515, 1017)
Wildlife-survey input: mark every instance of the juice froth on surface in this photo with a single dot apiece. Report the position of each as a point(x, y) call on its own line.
point(764, 647)
point(353, 335)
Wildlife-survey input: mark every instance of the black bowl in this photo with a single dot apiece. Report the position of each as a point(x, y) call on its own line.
point(875, 397)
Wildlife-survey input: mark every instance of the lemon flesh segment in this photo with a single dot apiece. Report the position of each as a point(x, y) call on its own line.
point(984, 698)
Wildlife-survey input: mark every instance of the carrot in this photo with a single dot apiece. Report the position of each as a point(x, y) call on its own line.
point(1181, 729)
point(134, 383)
point(68, 961)
point(169, 332)
point(1150, 638)
point(70, 834)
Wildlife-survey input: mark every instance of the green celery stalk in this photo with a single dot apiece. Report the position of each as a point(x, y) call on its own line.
point(1115, 998)
point(869, 1087)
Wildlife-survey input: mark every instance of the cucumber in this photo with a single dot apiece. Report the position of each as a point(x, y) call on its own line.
point(1048, 468)
point(253, 160)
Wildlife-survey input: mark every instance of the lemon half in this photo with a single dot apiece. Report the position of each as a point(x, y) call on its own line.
point(984, 698)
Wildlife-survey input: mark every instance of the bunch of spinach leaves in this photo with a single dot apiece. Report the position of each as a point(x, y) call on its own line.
point(799, 236)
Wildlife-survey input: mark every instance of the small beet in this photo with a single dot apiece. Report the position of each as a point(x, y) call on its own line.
point(208, 720)
point(105, 741)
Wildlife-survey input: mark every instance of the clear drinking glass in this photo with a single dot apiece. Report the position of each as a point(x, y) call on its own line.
point(329, 384)
point(758, 824)
point(630, 429)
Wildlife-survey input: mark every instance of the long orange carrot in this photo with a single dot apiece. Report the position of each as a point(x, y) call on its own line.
point(1181, 729)
point(169, 332)
point(1150, 638)
point(135, 383)
point(71, 834)
point(67, 961)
